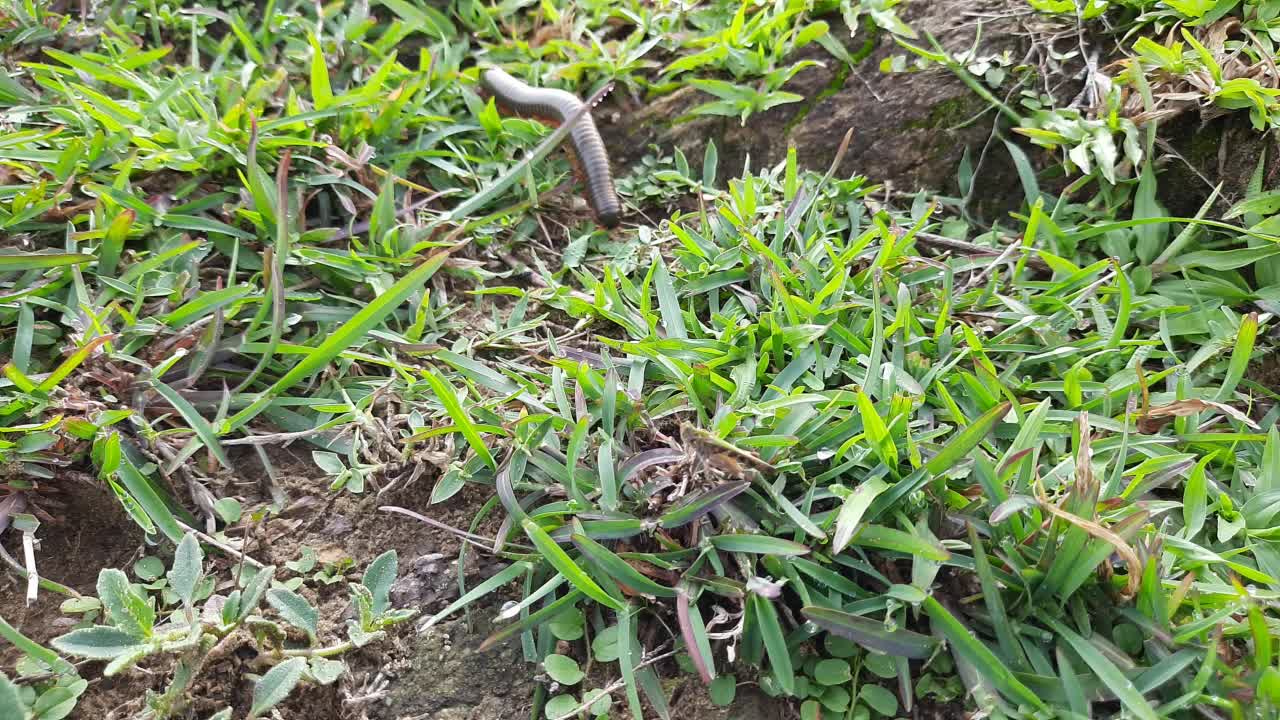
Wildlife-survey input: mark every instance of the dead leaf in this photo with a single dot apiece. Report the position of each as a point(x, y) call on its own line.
point(1157, 417)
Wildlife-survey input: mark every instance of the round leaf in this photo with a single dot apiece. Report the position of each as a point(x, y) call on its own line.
point(148, 568)
point(228, 509)
point(563, 670)
point(832, 672)
point(811, 710)
point(882, 665)
point(836, 699)
point(605, 646)
point(880, 699)
point(568, 625)
point(559, 706)
point(723, 689)
point(600, 701)
point(84, 604)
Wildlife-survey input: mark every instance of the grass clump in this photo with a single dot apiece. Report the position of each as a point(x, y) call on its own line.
point(801, 416)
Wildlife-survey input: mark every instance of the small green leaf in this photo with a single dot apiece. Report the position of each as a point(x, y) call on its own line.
point(379, 577)
point(129, 609)
point(254, 590)
point(569, 625)
point(880, 700)
point(722, 690)
point(100, 642)
point(294, 609)
point(228, 509)
point(604, 647)
point(559, 706)
point(148, 568)
point(188, 564)
point(324, 671)
point(562, 669)
point(79, 605)
point(276, 685)
point(832, 672)
point(598, 702)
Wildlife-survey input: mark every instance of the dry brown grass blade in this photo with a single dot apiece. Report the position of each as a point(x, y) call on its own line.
point(1123, 548)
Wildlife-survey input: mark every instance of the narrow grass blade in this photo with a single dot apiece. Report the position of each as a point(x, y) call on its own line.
point(449, 399)
point(195, 420)
point(351, 332)
point(886, 538)
point(988, 665)
point(146, 495)
point(619, 569)
point(694, 631)
point(851, 510)
point(963, 442)
point(502, 578)
point(561, 561)
point(533, 619)
point(871, 634)
point(1107, 672)
point(10, 262)
point(758, 544)
point(775, 643)
point(695, 506)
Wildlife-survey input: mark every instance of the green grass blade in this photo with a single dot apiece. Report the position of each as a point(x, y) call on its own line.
point(13, 262)
point(871, 634)
point(775, 643)
point(502, 578)
point(565, 565)
point(461, 419)
point(963, 442)
point(757, 544)
point(964, 642)
point(350, 333)
point(1107, 672)
point(619, 569)
point(195, 420)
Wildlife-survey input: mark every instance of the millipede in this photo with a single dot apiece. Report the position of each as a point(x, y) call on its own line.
point(552, 105)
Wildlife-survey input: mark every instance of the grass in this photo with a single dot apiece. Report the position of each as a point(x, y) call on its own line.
point(788, 435)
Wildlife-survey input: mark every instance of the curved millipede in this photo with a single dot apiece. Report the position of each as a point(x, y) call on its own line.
point(557, 105)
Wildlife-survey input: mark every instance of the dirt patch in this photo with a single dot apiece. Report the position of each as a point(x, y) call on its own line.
point(344, 531)
point(749, 703)
point(1266, 371)
point(448, 678)
point(89, 532)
